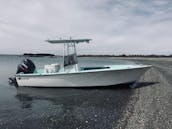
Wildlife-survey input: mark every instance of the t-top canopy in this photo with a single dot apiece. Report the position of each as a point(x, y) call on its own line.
point(69, 41)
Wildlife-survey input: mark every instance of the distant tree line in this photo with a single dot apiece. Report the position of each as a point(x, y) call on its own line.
point(38, 54)
point(121, 55)
point(124, 55)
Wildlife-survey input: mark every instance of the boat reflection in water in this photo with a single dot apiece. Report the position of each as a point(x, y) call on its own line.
point(73, 96)
point(74, 107)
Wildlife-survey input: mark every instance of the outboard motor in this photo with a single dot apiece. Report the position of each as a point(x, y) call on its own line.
point(27, 66)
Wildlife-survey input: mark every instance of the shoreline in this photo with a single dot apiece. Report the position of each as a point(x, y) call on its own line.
point(117, 56)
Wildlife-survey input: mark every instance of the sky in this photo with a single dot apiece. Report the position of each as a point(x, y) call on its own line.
point(115, 26)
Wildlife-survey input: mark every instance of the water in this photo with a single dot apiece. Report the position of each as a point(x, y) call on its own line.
point(60, 108)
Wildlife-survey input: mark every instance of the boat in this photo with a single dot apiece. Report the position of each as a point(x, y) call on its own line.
point(69, 74)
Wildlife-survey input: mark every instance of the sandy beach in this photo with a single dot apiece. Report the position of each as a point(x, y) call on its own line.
point(150, 105)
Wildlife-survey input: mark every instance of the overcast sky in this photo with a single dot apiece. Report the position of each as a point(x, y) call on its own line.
point(116, 26)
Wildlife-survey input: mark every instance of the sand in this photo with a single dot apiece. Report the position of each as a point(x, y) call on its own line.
point(150, 106)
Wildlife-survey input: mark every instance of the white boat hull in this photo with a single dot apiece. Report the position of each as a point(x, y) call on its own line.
point(82, 79)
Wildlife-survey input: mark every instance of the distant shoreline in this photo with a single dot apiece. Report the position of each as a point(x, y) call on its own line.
point(148, 56)
point(123, 55)
point(52, 55)
point(38, 54)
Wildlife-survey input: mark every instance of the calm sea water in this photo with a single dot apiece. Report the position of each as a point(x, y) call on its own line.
point(61, 108)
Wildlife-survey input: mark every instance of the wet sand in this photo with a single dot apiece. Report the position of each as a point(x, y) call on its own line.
point(150, 107)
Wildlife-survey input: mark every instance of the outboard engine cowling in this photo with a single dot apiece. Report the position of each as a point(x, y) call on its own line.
point(26, 66)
